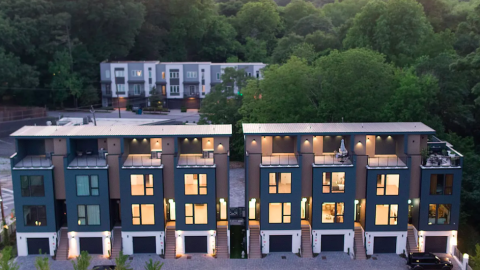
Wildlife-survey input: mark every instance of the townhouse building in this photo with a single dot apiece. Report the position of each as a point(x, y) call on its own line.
point(143, 189)
point(178, 84)
point(360, 188)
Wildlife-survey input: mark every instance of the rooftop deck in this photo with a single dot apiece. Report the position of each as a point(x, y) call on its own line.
point(279, 159)
point(186, 160)
point(387, 161)
point(31, 162)
point(142, 161)
point(332, 160)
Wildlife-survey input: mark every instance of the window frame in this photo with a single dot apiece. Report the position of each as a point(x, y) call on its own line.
point(140, 214)
point(335, 211)
point(37, 219)
point(28, 177)
point(174, 89)
point(445, 187)
point(437, 207)
point(135, 73)
point(145, 188)
point(199, 187)
point(218, 76)
point(120, 88)
point(174, 74)
point(193, 213)
point(90, 188)
point(385, 184)
point(283, 215)
point(86, 215)
point(191, 74)
point(389, 214)
point(119, 73)
point(278, 176)
point(136, 89)
point(330, 185)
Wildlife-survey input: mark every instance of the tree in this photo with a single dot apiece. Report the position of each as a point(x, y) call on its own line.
point(221, 106)
point(395, 28)
point(475, 259)
point(340, 12)
point(219, 40)
point(323, 42)
point(64, 82)
point(305, 51)
point(296, 10)
point(285, 46)
point(357, 79)
point(255, 50)
point(150, 265)
point(312, 23)
point(6, 260)
point(121, 262)
point(82, 262)
point(259, 20)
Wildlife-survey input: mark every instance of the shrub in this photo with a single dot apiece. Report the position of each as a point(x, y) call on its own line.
point(6, 262)
point(150, 265)
point(42, 263)
point(83, 261)
point(121, 262)
point(183, 109)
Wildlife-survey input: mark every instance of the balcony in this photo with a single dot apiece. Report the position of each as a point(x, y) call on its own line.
point(143, 161)
point(33, 162)
point(332, 160)
point(280, 159)
point(387, 161)
point(196, 160)
point(193, 94)
point(106, 92)
point(88, 160)
point(440, 154)
point(132, 93)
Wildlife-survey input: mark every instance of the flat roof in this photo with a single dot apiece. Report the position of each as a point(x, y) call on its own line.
point(131, 130)
point(338, 128)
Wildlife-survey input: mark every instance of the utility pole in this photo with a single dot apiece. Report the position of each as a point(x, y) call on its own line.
point(93, 112)
point(118, 103)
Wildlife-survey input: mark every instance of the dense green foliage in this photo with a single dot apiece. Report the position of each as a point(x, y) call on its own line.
point(350, 60)
point(6, 259)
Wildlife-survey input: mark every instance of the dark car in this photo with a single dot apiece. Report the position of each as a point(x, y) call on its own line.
point(104, 267)
point(420, 261)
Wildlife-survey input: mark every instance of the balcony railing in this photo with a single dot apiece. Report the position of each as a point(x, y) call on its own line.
point(436, 160)
point(195, 160)
point(174, 94)
point(34, 162)
point(387, 161)
point(191, 94)
point(329, 160)
point(139, 161)
point(280, 160)
point(136, 94)
point(88, 162)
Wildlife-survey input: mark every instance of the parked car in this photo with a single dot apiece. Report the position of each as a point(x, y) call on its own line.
point(104, 267)
point(420, 261)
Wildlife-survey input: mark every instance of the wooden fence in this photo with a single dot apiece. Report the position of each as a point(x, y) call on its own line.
point(18, 113)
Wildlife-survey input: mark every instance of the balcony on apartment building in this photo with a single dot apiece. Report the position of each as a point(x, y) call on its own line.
point(440, 154)
point(197, 152)
point(191, 93)
point(279, 151)
point(142, 153)
point(33, 154)
point(136, 93)
point(332, 151)
point(87, 154)
point(386, 151)
point(106, 90)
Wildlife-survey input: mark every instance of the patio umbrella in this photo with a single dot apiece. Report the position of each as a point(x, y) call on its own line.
point(343, 149)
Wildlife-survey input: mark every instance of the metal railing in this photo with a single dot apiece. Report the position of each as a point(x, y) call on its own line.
point(441, 161)
point(136, 94)
point(88, 161)
point(174, 94)
point(185, 160)
point(332, 160)
point(458, 254)
point(387, 161)
point(280, 160)
point(34, 162)
point(192, 94)
point(142, 161)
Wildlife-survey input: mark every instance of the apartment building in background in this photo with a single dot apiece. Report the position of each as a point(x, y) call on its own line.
point(144, 189)
point(178, 84)
point(360, 188)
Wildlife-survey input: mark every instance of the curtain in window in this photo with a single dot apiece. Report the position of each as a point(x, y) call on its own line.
point(93, 212)
point(83, 188)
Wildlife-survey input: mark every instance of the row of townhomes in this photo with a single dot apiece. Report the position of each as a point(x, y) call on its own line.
point(360, 188)
point(178, 84)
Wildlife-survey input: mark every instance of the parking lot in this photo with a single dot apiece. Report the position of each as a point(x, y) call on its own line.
point(331, 260)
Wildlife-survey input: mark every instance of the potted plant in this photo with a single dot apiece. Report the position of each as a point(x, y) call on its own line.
point(424, 154)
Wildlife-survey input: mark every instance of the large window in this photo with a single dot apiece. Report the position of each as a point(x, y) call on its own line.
point(88, 214)
point(107, 74)
point(136, 73)
point(333, 182)
point(87, 185)
point(141, 184)
point(333, 212)
point(143, 214)
point(196, 213)
point(174, 89)
point(439, 214)
point(119, 73)
point(279, 212)
point(195, 184)
point(174, 74)
point(120, 88)
point(137, 89)
point(387, 184)
point(441, 184)
point(32, 186)
point(386, 214)
point(35, 215)
point(280, 183)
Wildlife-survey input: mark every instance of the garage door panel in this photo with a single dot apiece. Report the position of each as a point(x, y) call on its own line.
point(195, 244)
point(34, 245)
point(385, 244)
point(332, 242)
point(436, 244)
point(144, 244)
point(280, 243)
point(93, 245)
